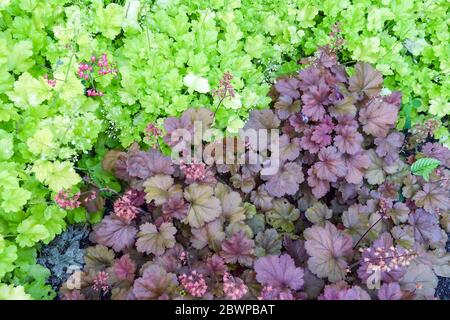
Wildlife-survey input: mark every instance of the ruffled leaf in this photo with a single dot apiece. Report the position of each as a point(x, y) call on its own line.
point(115, 233)
point(154, 284)
point(377, 118)
point(331, 165)
point(390, 291)
point(156, 240)
point(330, 251)
point(282, 215)
point(268, 243)
point(204, 206)
point(286, 181)
point(426, 226)
point(211, 234)
point(318, 213)
point(366, 80)
point(160, 189)
point(238, 249)
point(420, 280)
point(433, 197)
point(279, 272)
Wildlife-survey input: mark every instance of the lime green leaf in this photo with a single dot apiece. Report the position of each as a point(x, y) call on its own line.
point(7, 111)
point(234, 124)
point(54, 221)
point(7, 178)
point(14, 199)
point(41, 142)
point(4, 3)
point(109, 20)
point(40, 290)
point(30, 232)
point(440, 107)
point(255, 46)
point(57, 175)
point(6, 145)
point(306, 15)
point(29, 91)
point(10, 292)
point(72, 89)
point(8, 254)
point(368, 50)
point(27, 5)
point(19, 57)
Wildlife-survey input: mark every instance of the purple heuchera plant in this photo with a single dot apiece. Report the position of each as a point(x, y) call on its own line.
point(342, 216)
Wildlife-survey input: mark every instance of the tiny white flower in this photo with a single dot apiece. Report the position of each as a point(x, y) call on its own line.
point(385, 92)
point(415, 47)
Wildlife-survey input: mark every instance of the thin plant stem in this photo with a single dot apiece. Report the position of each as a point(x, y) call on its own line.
point(365, 233)
point(218, 106)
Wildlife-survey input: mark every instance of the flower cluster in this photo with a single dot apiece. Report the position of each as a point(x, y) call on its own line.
point(384, 262)
point(233, 288)
point(103, 65)
point(152, 134)
point(84, 70)
point(100, 282)
point(420, 132)
point(66, 201)
point(336, 35)
point(94, 93)
point(225, 88)
point(87, 71)
point(384, 205)
point(194, 284)
point(195, 172)
point(51, 82)
point(86, 199)
point(125, 207)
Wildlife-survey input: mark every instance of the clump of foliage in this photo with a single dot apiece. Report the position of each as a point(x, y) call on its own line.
point(168, 56)
point(342, 217)
point(46, 121)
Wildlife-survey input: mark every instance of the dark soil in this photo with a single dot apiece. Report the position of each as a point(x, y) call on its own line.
point(443, 288)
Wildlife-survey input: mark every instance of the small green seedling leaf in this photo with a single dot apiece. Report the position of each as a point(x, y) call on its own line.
point(423, 167)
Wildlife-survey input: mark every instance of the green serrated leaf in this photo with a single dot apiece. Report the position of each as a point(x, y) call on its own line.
point(424, 167)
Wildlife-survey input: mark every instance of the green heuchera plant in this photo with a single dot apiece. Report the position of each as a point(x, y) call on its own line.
point(45, 122)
